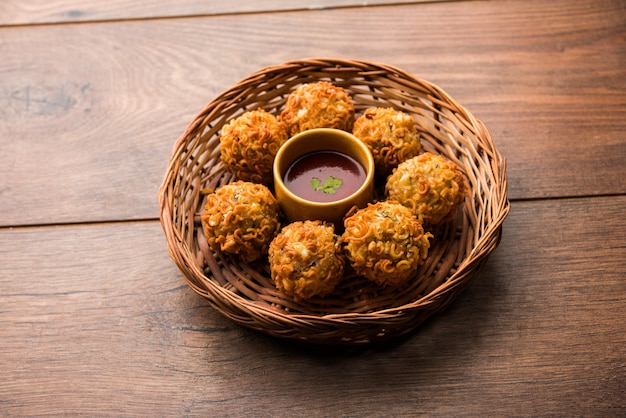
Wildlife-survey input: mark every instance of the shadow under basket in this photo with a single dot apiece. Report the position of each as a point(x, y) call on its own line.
point(358, 312)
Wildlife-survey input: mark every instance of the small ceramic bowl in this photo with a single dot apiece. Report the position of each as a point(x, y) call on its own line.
point(299, 182)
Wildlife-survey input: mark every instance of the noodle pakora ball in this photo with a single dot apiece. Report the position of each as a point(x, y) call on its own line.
point(430, 185)
point(318, 105)
point(241, 218)
point(391, 136)
point(385, 243)
point(249, 143)
point(306, 260)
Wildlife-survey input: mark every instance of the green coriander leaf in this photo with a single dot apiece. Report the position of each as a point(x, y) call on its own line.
point(315, 183)
point(331, 185)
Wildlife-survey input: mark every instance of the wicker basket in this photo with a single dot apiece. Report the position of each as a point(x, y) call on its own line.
point(358, 312)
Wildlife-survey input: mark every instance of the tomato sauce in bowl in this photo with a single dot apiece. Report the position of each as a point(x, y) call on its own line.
point(321, 173)
point(324, 176)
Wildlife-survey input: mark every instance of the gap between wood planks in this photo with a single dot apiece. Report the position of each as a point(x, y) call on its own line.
point(292, 9)
point(156, 219)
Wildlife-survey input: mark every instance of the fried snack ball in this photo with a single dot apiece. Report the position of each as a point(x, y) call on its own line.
point(318, 105)
point(306, 260)
point(384, 242)
point(241, 218)
point(249, 143)
point(430, 185)
point(390, 135)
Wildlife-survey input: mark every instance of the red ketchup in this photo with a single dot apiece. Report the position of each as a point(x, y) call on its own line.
point(324, 176)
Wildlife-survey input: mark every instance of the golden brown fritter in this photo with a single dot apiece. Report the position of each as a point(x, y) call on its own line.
point(241, 218)
point(318, 105)
point(385, 243)
point(249, 143)
point(430, 185)
point(305, 259)
point(390, 135)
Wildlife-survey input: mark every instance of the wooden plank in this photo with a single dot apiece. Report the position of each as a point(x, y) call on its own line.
point(89, 113)
point(97, 318)
point(18, 12)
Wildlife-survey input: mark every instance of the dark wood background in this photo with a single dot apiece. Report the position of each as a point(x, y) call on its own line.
point(95, 318)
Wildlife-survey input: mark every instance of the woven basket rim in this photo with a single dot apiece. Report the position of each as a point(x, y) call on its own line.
point(244, 310)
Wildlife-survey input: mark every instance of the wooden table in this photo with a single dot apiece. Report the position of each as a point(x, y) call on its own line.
point(95, 318)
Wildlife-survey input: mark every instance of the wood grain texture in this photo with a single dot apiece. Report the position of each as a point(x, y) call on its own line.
point(95, 105)
point(96, 319)
point(24, 12)
point(89, 113)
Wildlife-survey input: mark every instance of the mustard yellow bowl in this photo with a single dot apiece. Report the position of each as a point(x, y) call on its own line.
point(321, 174)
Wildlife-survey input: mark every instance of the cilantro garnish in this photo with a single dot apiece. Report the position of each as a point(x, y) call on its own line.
point(330, 185)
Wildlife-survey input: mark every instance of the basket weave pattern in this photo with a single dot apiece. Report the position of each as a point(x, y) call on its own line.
point(358, 312)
